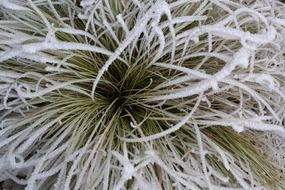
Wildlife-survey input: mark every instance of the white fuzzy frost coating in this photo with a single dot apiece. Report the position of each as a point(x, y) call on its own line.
point(12, 6)
point(242, 58)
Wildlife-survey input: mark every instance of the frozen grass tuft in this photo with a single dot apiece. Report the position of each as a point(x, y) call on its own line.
point(105, 94)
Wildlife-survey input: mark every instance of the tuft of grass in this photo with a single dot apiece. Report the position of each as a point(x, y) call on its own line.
point(141, 94)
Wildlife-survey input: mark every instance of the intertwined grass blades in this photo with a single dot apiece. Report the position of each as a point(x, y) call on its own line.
point(141, 94)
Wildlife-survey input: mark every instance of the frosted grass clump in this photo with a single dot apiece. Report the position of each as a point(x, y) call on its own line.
point(105, 94)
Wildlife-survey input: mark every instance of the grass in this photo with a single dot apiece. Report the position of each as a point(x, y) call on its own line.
point(140, 95)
